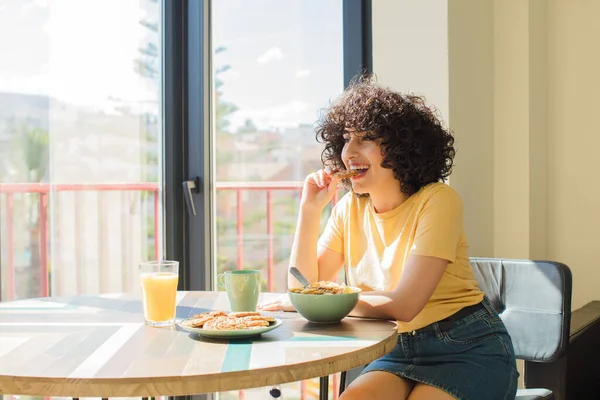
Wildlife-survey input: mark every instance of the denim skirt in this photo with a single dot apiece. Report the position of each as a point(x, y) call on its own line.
point(471, 358)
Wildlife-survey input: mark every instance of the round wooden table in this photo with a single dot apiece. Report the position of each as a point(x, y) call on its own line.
point(99, 346)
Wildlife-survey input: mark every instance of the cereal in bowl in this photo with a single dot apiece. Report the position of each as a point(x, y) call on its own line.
point(324, 287)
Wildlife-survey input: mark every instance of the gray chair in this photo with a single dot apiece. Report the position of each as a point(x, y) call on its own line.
point(533, 299)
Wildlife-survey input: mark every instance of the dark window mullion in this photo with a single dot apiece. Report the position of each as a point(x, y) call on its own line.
point(187, 139)
point(358, 42)
point(175, 133)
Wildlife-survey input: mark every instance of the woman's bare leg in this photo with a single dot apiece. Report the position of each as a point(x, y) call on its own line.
point(378, 385)
point(422, 391)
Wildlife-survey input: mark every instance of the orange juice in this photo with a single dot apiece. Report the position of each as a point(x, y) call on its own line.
point(159, 290)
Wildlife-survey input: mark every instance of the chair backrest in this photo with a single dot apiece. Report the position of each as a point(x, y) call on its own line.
point(533, 299)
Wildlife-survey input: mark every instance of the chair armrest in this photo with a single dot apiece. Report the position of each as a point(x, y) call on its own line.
point(574, 375)
point(585, 319)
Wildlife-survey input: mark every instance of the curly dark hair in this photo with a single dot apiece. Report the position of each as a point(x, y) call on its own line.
point(416, 146)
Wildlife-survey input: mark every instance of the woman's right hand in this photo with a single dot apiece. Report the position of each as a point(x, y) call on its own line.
point(319, 189)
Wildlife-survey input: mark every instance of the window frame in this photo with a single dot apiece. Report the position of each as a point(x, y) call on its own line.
point(186, 86)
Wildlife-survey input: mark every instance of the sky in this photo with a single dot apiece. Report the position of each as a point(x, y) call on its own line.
point(285, 57)
point(79, 51)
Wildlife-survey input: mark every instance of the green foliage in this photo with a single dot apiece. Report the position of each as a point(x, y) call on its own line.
point(148, 62)
point(223, 109)
point(30, 153)
point(283, 227)
point(248, 127)
point(224, 225)
point(28, 161)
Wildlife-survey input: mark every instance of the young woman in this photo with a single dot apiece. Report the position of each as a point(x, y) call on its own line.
point(399, 235)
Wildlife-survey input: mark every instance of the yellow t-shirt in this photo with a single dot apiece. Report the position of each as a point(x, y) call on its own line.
point(376, 246)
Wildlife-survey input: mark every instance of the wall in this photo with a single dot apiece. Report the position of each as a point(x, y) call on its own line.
point(409, 47)
point(573, 141)
point(470, 63)
point(517, 82)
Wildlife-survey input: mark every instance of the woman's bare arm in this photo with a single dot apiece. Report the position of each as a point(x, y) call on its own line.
point(319, 188)
point(330, 263)
point(304, 249)
point(420, 277)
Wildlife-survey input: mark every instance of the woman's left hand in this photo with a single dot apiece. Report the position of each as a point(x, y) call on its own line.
point(280, 303)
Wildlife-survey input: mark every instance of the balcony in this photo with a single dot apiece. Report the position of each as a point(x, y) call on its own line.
point(9, 193)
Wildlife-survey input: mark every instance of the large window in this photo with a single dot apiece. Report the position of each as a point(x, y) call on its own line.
point(80, 145)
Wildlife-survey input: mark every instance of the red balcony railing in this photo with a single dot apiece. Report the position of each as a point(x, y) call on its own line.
point(11, 190)
point(44, 189)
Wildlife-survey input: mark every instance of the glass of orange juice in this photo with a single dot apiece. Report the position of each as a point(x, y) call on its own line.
point(159, 291)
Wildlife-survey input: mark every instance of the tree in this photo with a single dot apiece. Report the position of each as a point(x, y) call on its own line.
point(248, 127)
point(223, 109)
point(148, 65)
point(28, 162)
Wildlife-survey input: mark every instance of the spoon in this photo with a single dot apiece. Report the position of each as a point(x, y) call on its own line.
point(298, 275)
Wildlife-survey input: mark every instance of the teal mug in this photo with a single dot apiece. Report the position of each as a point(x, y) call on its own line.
point(242, 287)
